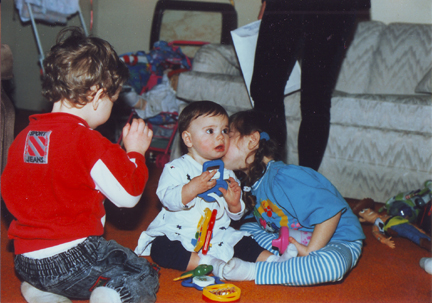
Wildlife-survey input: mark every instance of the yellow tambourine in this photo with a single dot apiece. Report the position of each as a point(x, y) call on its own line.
point(221, 293)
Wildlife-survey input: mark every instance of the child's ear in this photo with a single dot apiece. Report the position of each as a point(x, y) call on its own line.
point(97, 98)
point(187, 139)
point(254, 140)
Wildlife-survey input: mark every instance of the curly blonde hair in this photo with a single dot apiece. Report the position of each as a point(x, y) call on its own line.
point(76, 63)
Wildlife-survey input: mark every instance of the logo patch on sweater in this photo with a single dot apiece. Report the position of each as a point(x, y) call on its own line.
point(37, 147)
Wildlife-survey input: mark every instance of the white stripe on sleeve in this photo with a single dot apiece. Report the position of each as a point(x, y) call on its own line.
point(109, 186)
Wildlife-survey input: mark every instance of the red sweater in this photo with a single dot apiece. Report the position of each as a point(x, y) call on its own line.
point(58, 173)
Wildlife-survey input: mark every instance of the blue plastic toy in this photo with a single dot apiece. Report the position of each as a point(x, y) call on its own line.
point(200, 282)
point(219, 182)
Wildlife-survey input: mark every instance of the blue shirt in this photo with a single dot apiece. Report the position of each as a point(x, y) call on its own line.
point(299, 198)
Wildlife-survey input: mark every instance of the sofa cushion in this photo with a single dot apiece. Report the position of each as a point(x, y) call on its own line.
point(217, 59)
point(227, 90)
point(356, 68)
point(370, 162)
point(402, 58)
point(425, 85)
point(411, 113)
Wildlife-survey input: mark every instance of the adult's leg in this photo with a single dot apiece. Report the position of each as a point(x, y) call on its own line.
point(326, 35)
point(275, 53)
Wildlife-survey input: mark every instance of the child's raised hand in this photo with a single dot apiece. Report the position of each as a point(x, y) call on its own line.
point(137, 136)
point(232, 195)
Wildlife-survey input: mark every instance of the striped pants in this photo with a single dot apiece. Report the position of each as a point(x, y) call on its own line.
point(328, 264)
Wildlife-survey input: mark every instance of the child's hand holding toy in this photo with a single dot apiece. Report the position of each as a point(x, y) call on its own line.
point(232, 195)
point(198, 185)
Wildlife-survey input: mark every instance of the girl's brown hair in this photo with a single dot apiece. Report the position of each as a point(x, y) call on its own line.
point(76, 63)
point(247, 123)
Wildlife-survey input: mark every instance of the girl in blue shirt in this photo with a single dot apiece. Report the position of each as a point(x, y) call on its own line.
point(297, 197)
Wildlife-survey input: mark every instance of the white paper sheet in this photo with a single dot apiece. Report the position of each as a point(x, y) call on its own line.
point(245, 40)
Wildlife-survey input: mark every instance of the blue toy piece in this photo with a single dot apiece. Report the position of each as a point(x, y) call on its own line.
point(200, 282)
point(219, 182)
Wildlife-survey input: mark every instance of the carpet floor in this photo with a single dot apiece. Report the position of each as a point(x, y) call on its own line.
point(381, 275)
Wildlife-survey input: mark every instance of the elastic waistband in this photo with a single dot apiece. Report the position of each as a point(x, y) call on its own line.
point(83, 254)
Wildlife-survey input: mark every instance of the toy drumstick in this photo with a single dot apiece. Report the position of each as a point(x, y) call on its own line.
point(200, 270)
point(202, 228)
point(209, 232)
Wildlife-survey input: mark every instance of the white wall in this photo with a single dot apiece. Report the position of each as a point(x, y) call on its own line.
point(19, 36)
point(410, 11)
point(126, 25)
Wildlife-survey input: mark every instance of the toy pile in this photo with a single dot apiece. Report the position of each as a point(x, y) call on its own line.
point(408, 215)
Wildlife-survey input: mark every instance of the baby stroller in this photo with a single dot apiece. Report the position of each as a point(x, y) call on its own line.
point(164, 128)
point(49, 11)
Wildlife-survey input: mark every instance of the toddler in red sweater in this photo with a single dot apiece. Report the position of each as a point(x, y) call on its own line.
point(60, 171)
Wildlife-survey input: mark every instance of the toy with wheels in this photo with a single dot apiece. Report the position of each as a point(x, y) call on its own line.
point(219, 182)
point(408, 205)
point(162, 159)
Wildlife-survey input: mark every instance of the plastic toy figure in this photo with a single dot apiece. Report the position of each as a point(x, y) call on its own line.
point(409, 204)
point(386, 226)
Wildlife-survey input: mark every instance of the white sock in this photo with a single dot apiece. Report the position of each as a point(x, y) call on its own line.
point(426, 264)
point(218, 265)
point(290, 252)
point(104, 294)
point(239, 270)
point(33, 295)
point(273, 258)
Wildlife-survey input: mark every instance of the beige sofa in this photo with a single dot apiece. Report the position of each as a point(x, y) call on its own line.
point(380, 140)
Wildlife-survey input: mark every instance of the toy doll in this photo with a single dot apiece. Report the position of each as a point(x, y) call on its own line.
point(386, 226)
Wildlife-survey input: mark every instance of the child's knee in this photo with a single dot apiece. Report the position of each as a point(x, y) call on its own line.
point(169, 254)
point(250, 227)
point(141, 286)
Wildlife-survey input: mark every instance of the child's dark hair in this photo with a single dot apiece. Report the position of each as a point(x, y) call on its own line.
point(247, 123)
point(195, 110)
point(76, 63)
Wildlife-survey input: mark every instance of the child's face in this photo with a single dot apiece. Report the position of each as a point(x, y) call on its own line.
point(368, 215)
point(239, 154)
point(207, 138)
